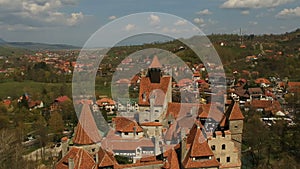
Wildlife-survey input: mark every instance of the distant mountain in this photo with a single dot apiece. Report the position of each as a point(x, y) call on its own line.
point(36, 46)
point(2, 41)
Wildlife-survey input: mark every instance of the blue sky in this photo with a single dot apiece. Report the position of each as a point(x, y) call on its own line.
point(74, 21)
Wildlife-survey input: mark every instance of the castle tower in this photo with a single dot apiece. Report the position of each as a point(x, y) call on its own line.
point(154, 71)
point(236, 123)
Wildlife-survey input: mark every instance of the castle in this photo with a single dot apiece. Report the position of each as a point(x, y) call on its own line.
point(161, 134)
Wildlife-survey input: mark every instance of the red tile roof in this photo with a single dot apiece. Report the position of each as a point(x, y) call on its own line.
point(124, 124)
point(171, 132)
point(172, 161)
point(125, 144)
point(82, 159)
point(262, 80)
point(178, 110)
point(87, 131)
point(261, 103)
point(146, 87)
point(105, 101)
point(7, 102)
point(236, 113)
point(105, 159)
point(32, 104)
point(151, 124)
point(198, 147)
point(155, 63)
point(184, 82)
point(62, 99)
point(123, 81)
point(294, 86)
point(211, 111)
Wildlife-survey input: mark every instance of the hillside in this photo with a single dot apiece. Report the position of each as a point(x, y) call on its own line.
point(36, 46)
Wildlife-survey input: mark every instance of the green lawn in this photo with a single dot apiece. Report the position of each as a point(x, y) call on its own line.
point(15, 89)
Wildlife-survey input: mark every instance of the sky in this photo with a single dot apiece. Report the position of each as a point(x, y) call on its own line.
point(74, 21)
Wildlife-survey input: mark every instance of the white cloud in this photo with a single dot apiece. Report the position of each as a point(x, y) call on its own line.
point(17, 27)
point(154, 19)
point(245, 12)
point(175, 30)
point(75, 18)
point(253, 22)
point(130, 27)
point(212, 21)
point(38, 13)
point(286, 13)
point(112, 17)
point(199, 20)
point(180, 22)
point(254, 3)
point(204, 12)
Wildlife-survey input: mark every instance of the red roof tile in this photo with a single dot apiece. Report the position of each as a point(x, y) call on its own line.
point(172, 161)
point(184, 82)
point(105, 159)
point(62, 99)
point(104, 101)
point(178, 110)
point(151, 124)
point(146, 88)
point(126, 125)
point(82, 159)
point(211, 111)
point(262, 80)
point(126, 144)
point(7, 102)
point(293, 86)
point(155, 63)
point(261, 103)
point(198, 148)
point(236, 113)
point(87, 131)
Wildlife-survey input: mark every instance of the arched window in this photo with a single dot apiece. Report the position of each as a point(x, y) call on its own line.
point(213, 147)
point(223, 146)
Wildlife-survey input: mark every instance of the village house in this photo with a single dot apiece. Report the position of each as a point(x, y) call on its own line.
point(164, 135)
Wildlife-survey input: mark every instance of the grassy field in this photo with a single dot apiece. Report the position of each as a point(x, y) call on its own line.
point(15, 89)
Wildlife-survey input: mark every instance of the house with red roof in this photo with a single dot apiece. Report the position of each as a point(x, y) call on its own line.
point(56, 105)
point(106, 103)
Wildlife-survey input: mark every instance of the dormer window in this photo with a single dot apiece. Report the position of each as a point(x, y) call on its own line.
point(228, 159)
point(223, 134)
point(223, 146)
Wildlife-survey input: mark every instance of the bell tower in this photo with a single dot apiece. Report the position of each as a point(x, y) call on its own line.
point(236, 123)
point(154, 70)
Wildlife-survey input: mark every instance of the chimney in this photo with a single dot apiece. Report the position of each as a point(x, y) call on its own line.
point(71, 163)
point(183, 148)
point(156, 146)
point(97, 158)
point(134, 131)
point(182, 144)
point(64, 146)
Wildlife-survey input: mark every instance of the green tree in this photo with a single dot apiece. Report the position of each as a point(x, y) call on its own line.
point(56, 123)
point(68, 112)
point(40, 126)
